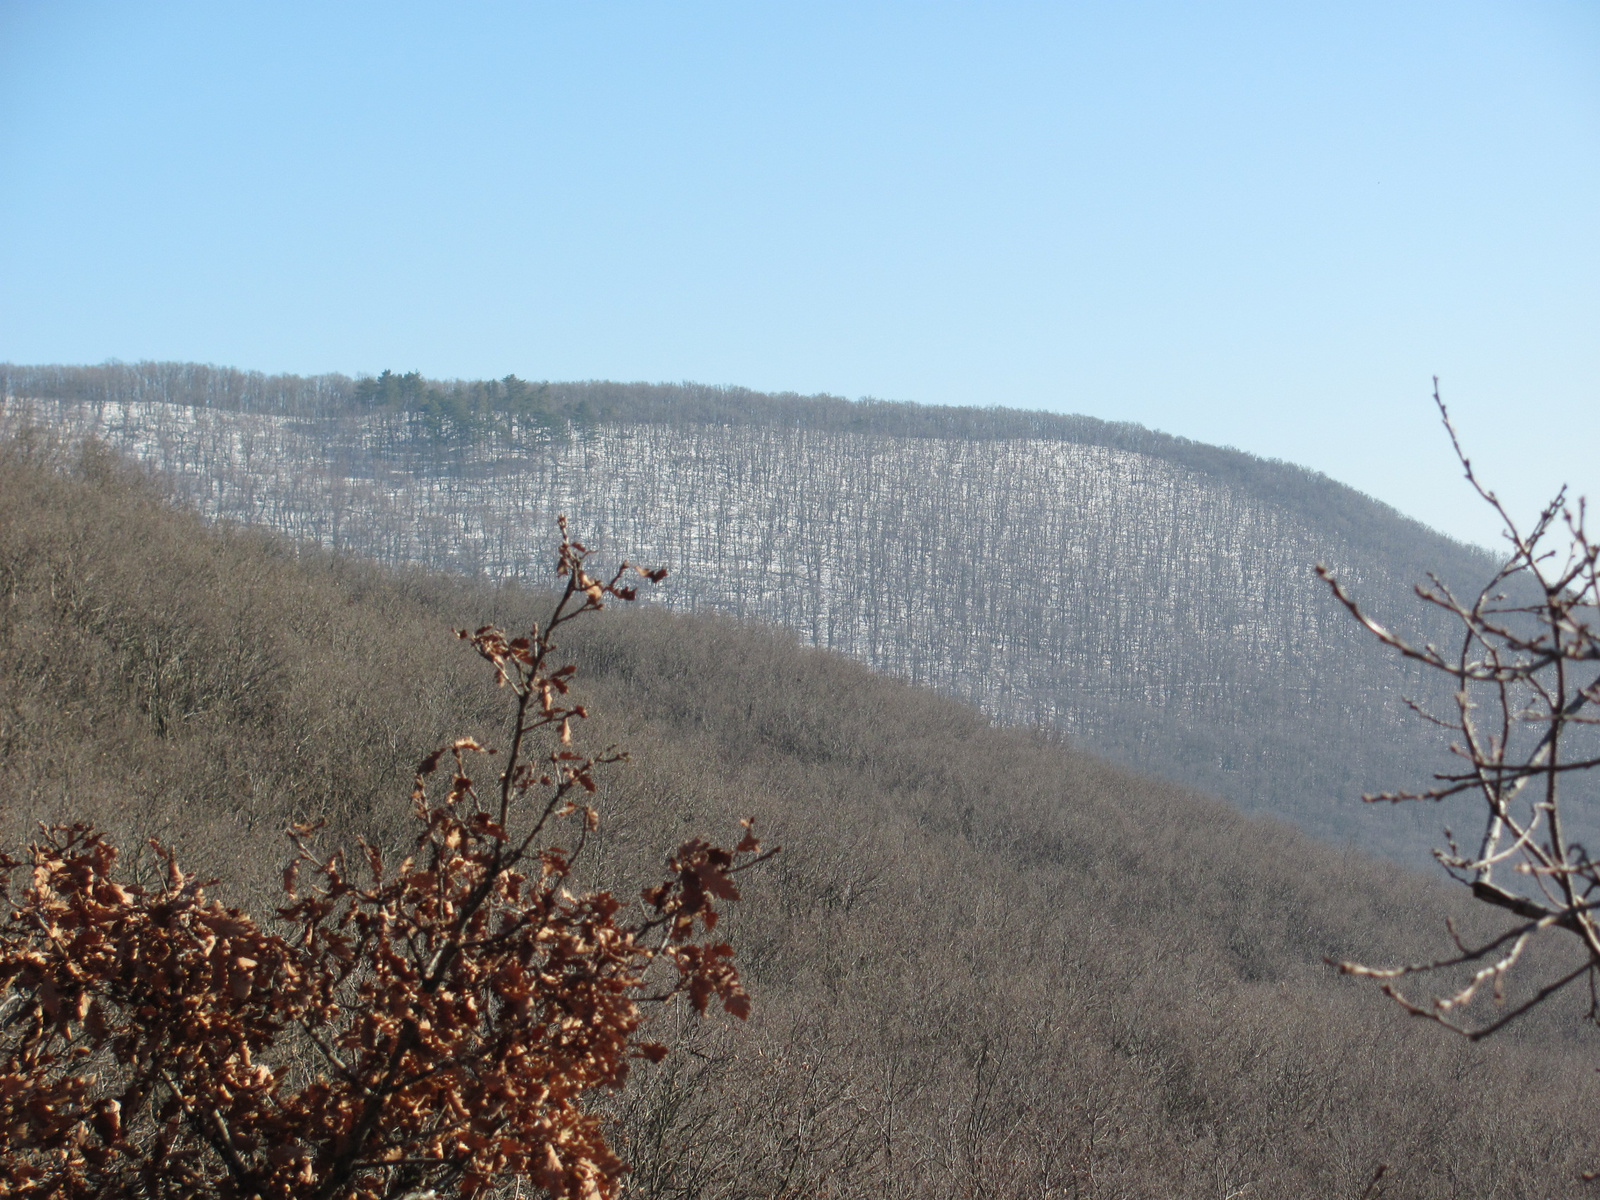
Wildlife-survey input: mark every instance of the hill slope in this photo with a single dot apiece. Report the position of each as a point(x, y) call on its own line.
point(984, 964)
point(1150, 598)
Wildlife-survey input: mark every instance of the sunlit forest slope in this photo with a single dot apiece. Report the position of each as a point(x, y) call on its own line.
point(983, 965)
point(1150, 598)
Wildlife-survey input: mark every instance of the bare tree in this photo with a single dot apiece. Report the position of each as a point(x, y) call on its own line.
point(1526, 690)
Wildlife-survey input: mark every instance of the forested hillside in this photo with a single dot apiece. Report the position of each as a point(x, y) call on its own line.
point(1150, 598)
point(984, 964)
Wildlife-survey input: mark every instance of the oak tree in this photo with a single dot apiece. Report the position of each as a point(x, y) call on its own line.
point(437, 1024)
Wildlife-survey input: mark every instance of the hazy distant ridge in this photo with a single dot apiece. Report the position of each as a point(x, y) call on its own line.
point(1153, 610)
point(1328, 502)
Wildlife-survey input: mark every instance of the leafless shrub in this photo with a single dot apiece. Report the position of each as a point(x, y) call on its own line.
point(1526, 681)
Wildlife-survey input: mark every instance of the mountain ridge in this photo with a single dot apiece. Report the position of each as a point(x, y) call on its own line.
point(335, 394)
point(1158, 608)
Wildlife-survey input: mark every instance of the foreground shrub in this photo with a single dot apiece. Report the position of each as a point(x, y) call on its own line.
point(391, 1029)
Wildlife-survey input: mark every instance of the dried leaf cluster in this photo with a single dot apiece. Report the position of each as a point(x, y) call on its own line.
point(435, 1023)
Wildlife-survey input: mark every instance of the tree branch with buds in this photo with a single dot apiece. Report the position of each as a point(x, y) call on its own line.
point(1525, 674)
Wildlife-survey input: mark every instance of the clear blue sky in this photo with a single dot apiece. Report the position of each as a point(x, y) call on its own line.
point(1259, 224)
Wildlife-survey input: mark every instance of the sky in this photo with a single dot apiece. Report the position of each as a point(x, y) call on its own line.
point(1264, 225)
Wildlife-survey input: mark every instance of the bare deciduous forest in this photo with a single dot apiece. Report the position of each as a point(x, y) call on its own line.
point(986, 964)
point(1149, 598)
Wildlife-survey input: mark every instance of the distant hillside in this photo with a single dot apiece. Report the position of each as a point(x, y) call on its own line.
point(1148, 597)
point(984, 965)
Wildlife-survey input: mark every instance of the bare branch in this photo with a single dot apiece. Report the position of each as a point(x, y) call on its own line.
point(1523, 641)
